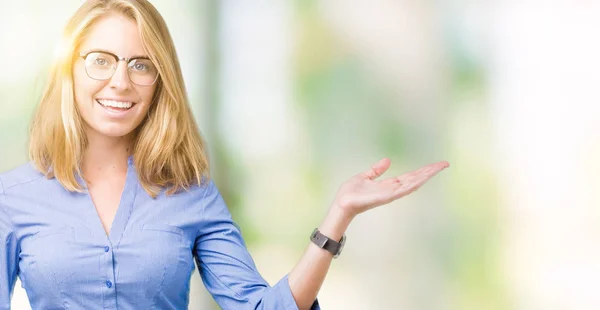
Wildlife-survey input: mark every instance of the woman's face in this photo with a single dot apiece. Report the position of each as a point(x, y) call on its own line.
point(116, 106)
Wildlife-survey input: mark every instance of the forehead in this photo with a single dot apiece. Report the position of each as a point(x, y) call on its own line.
point(115, 33)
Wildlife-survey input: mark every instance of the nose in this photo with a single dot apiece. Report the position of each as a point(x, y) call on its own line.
point(120, 79)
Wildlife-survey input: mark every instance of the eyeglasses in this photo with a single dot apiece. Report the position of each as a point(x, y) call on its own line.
point(101, 65)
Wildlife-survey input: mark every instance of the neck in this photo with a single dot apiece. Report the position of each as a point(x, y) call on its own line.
point(105, 155)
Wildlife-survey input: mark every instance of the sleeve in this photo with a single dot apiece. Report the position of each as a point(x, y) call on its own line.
point(8, 254)
point(226, 267)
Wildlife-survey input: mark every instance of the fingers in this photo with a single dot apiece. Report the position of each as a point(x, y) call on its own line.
point(378, 169)
point(411, 181)
point(388, 190)
point(431, 169)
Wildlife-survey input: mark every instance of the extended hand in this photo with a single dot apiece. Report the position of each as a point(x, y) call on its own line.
point(362, 192)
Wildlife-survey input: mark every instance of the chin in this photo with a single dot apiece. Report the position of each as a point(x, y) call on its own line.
point(114, 131)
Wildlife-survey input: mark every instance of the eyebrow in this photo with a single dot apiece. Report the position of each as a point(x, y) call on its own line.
point(109, 52)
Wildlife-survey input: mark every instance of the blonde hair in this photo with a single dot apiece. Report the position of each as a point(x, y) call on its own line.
point(168, 150)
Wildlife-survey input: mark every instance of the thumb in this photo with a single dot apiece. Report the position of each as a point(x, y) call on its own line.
point(377, 169)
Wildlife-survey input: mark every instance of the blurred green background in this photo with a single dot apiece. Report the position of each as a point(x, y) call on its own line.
point(295, 97)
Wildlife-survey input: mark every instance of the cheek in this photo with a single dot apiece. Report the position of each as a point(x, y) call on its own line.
point(146, 94)
point(84, 87)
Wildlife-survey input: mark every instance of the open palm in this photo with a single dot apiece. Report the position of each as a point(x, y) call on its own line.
point(363, 192)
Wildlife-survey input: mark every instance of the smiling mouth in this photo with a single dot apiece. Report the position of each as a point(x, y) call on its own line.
point(115, 105)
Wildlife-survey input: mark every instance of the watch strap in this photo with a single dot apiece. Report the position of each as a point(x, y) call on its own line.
point(324, 242)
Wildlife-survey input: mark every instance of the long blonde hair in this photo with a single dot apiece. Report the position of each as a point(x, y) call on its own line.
point(168, 151)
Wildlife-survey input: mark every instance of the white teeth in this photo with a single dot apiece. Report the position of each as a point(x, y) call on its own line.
point(115, 104)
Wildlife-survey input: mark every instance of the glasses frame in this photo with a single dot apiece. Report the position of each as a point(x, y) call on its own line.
point(117, 59)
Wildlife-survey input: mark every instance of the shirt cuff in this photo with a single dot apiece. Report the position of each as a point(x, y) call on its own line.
point(285, 293)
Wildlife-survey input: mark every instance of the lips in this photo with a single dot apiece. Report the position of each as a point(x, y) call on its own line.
point(116, 109)
point(116, 104)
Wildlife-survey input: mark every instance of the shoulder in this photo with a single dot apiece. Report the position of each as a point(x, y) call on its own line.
point(203, 195)
point(10, 181)
point(211, 200)
point(194, 194)
point(23, 174)
point(206, 190)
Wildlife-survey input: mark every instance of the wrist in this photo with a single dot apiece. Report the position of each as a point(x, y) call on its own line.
point(335, 223)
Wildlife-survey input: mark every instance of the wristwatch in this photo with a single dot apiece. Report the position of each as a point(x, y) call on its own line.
point(328, 244)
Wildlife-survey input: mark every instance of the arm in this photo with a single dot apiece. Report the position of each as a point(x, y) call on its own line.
point(357, 195)
point(229, 273)
point(8, 255)
point(309, 273)
point(226, 267)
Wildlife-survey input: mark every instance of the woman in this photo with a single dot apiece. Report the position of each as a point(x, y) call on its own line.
point(117, 203)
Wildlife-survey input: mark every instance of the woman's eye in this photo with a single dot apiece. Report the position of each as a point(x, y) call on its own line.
point(101, 61)
point(139, 67)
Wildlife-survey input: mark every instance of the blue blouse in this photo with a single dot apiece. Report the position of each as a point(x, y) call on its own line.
point(53, 240)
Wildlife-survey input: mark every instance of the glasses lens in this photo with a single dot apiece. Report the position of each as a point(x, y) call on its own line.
point(100, 66)
point(142, 71)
